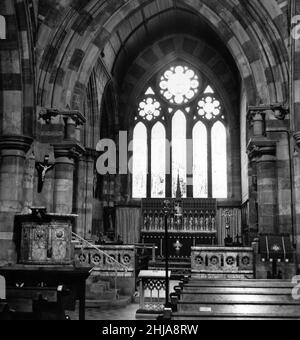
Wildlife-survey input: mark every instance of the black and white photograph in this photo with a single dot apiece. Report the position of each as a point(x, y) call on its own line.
point(149, 163)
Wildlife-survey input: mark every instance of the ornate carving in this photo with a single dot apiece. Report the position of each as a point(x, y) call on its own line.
point(48, 113)
point(280, 110)
point(21, 143)
point(69, 150)
point(261, 147)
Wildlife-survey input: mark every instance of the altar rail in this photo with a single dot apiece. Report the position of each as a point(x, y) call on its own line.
point(223, 263)
point(124, 256)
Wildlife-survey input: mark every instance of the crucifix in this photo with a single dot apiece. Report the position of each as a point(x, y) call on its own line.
point(42, 169)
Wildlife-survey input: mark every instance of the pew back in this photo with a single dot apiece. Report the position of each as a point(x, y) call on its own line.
point(2, 288)
point(225, 300)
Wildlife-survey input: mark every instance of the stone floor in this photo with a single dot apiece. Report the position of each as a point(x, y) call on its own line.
point(94, 314)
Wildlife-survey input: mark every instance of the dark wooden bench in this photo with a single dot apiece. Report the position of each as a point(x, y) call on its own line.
point(36, 292)
point(229, 299)
point(5, 313)
point(32, 303)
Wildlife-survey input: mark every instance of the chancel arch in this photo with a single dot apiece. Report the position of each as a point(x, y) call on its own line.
point(96, 43)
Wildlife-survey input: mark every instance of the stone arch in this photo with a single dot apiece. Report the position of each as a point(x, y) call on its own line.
point(132, 86)
point(17, 70)
point(69, 57)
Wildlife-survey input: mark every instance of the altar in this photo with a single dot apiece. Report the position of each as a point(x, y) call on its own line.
point(196, 226)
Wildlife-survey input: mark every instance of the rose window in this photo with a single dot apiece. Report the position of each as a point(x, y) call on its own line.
point(209, 108)
point(149, 109)
point(179, 85)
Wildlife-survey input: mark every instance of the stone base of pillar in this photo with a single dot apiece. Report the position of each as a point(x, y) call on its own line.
point(12, 164)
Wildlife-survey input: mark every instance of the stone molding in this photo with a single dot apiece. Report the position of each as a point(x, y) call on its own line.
point(17, 142)
point(259, 147)
point(70, 150)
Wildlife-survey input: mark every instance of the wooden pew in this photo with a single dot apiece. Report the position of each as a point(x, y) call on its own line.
point(237, 300)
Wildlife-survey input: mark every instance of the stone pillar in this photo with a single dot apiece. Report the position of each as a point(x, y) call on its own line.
point(297, 195)
point(85, 178)
point(13, 151)
point(258, 123)
point(264, 152)
point(28, 183)
point(253, 208)
point(65, 156)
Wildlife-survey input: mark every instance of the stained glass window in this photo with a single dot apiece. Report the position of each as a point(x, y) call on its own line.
point(179, 146)
point(140, 162)
point(209, 90)
point(158, 160)
point(200, 170)
point(179, 84)
point(187, 112)
point(219, 160)
point(149, 109)
point(150, 92)
point(2, 27)
point(209, 108)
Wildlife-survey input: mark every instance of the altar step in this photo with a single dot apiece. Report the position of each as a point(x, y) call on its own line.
point(235, 300)
point(179, 268)
point(100, 294)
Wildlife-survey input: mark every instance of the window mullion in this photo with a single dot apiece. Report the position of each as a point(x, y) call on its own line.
point(209, 162)
point(169, 171)
point(149, 162)
point(189, 166)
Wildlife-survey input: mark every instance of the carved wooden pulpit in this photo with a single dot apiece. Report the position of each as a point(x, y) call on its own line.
point(44, 239)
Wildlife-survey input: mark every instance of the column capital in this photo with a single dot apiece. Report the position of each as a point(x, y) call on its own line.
point(17, 142)
point(48, 113)
point(68, 149)
point(279, 110)
point(259, 147)
point(255, 114)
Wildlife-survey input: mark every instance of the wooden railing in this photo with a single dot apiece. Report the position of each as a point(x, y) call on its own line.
point(220, 262)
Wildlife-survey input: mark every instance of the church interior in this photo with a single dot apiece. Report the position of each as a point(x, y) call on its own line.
point(149, 159)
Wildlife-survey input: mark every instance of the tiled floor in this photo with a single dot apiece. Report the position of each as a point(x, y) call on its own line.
point(95, 314)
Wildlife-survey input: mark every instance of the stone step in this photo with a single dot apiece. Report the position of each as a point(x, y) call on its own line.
point(107, 295)
point(223, 275)
point(121, 302)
